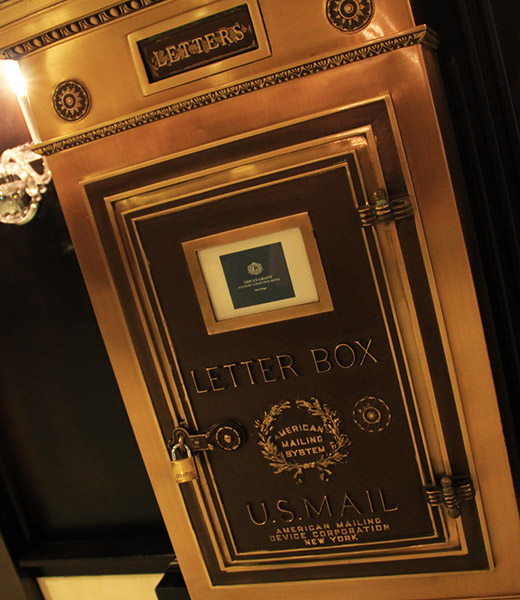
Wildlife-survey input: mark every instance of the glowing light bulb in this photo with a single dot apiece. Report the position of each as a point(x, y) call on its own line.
point(17, 84)
point(15, 78)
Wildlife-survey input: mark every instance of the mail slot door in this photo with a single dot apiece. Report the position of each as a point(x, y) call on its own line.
point(286, 322)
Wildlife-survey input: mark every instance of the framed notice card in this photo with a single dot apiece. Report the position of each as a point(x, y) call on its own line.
point(258, 274)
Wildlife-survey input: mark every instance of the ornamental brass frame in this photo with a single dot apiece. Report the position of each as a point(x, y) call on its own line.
point(447, 539)
point(298, 307)
point(168, 197)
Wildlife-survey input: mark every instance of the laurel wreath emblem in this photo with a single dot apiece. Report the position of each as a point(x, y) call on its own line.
point(331, 424)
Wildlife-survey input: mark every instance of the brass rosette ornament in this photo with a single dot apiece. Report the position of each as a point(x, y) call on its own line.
point(71, 100)
point(371, 414)
point(349, 15)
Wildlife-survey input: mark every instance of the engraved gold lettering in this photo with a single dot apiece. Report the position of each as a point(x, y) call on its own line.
point(305, 451)
point(232, 373)
point(251, 516)
point(214, 380)
point(158, 58)
point(366, 352)
point(203, 44)
point(237, 30)
point(300, 427)
point(315, 542)
point(184, 46)
point(348, 503)
point(317, 439)
point(173, 54)
point(196, 384)
point(369, 498)
point(289, 361)
point(324, 359)
point(286, 515)
point(247, 364)
point(198, 42)
point(344, 365)
point(266, 370)
point(224, 36)
point(210, 41)
point(308, 505)
point(281, 367)
point(383, 503)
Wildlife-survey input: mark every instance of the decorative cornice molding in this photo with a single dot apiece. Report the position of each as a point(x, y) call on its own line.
point(58, 34)
point(419, 36)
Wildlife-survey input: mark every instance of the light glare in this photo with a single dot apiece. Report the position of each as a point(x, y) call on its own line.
point(15, 78)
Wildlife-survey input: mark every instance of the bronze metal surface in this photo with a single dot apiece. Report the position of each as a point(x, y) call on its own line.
point(147, 222)
point(418, 36)
point(101, 57)
point(174, 323)
point(451, 294)
point(343, 124)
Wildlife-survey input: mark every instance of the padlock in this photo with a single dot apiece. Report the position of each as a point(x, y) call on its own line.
point(184, 469)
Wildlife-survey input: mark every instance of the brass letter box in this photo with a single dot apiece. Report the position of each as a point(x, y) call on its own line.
point(274, 253)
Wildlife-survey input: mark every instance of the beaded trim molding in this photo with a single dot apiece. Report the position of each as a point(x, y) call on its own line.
point(62, 32)
point(419, 36)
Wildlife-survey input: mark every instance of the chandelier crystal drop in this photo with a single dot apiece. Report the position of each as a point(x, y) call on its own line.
point(21, 185)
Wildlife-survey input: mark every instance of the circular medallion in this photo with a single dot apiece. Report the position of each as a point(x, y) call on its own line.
point(255, 268)
point(371, 414)
point(71, 100)
point(349, 15)
point(228, 438)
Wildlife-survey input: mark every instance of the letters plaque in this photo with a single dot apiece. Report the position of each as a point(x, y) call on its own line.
point(195, 45)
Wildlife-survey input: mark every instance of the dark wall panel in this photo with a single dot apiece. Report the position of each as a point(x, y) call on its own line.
point(479, 64)
point(67, 448)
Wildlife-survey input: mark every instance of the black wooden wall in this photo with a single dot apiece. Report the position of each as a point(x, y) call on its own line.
point(480, 67)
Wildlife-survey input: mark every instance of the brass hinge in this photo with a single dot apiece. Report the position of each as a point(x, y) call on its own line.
point(451, 493)
point(385, 209)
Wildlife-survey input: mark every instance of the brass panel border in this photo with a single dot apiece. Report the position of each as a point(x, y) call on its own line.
point(67, 30)
point(417, 36)
point(363, 147)
point(236, 562)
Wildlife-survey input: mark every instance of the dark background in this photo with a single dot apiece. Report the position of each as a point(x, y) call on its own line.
point(74, 495)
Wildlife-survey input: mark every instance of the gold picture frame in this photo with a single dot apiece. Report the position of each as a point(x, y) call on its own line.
point(258, 274)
